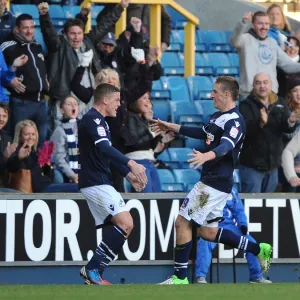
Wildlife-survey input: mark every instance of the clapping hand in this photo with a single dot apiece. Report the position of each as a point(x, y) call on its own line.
point(9, 150)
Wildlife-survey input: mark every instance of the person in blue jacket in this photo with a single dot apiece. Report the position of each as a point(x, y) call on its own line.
point(235, 220)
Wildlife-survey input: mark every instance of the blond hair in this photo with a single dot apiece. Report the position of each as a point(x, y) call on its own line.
point(19, 129)
point(104, 75)
point(285, 23)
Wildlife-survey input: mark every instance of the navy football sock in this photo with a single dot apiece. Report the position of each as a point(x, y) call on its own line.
point(113, 239)
point(228, 238)
point(182, 254)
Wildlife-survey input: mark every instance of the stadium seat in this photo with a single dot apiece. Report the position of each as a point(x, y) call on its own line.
point(221, 64)
point(18, 9)
point(200, 87)
point(177, 19)
point(71, 11)
point(175, 42)
point(228, 34)
point(215, 41)
point(158, 92)
point(208, 108)
point(127, 186)
point(95, 10)
point(234, 59)
point(199, 47)
point(236, 180)
point(161, 109)
point(167, 181)
point(203, 66)
point(183, 112)
point(39, 38)
point(188, 177)
point(179, 156)
point(194, 143)
point(57, 15)
point(172, 64)
point(177, 87)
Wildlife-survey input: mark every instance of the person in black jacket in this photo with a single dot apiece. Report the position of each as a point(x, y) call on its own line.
point(29, 102)
point(7, 22)
point(267, 118)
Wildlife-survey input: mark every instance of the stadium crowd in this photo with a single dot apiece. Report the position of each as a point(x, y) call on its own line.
point(44, 96)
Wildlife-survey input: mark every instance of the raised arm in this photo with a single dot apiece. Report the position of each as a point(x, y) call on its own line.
point(237, 39)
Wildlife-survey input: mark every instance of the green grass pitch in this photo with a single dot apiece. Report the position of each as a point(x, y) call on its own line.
point(153, 292)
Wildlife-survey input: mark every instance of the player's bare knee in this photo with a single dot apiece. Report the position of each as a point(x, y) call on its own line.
point(124, 221)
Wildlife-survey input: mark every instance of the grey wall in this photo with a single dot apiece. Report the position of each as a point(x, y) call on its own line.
point(222, 14)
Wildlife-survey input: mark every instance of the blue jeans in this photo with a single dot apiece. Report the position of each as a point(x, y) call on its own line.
point(30, 110)
point(153, 185)
point(58, 177)
point(62, 188)
point(254, 181)
point(204, 255)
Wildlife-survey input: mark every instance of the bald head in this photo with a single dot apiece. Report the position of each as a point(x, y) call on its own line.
point(262, 85)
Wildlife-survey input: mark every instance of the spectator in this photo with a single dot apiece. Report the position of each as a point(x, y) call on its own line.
point(27, 99)
point(280, 28)
point(143, 141)
point(258, 52)
point(69, 50)
point(65, 137)
point(267, 117)
point(23, 163)
point(6, 147)
point(7, 22)
point(292, 50)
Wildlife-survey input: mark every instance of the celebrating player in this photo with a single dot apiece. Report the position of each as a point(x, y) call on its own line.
point(95, 183)
point(203, 206)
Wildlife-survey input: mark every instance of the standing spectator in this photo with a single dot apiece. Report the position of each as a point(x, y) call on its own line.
point(280, 28)
point(65, 137)
point(72, 49)
point(267, 117)
point(7, 22)
point(258, 52)
point(28, 102)
point(6, 146)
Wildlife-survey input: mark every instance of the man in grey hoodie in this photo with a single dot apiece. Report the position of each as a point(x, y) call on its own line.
point(258, 52)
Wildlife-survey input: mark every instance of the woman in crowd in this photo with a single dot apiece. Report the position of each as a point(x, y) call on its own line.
point(24, 165)
point(280, 28)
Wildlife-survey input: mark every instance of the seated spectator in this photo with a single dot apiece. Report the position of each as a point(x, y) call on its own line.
point(258, 52)
point(280, 28)
point(6, 146)
point(67, 51)
point(65, 137)
point(7, 22)
point(27, 101)
point(143, 141)
point(267, 118)
point(26, 173)
point(292, 50)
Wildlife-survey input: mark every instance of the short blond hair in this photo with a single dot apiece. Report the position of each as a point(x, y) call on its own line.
point(19, 129)
point(104, 74)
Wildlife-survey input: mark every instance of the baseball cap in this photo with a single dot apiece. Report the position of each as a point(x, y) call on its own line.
point(109, 39)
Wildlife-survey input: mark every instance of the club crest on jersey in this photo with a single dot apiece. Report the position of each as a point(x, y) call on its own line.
point(233, 132)
point(210, 138)
point(101, 131)
point(97, 121)
point(237, 124)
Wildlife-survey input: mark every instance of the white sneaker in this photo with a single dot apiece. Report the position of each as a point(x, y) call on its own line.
point(260, 280)
point(201, 280)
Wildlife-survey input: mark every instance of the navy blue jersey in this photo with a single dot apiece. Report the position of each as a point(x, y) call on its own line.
point(96, 152)
point(224, 135)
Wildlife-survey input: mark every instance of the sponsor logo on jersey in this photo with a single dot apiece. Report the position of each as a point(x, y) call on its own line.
point(101, 131)
point(210, 138)
point(234, 132)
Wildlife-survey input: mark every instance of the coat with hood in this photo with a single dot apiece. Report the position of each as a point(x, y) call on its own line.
point(33, 73)
point(63, 59)
point(262, 148)
point(258, 55)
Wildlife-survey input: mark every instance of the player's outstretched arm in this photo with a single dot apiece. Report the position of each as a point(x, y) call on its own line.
point(158, 126)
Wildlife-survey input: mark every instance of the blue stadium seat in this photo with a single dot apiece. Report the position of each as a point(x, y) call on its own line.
point(203, 66)
point(127, 186)
point(39, 38)
point(177, 19)
point(228, 34)
point(164, 156)
point(215, 40)
point(158, 92)
point(195, 143)
point(171, 64)
point(95, 10)
point(177, 87)
point(221, 64)
point(161, 109)
point(208, 108)
point(71, 11)
point(179, 155)
point(183, 112)
point(57, 15)
point(200, 45)
point(167, 181)
point(200, 87)
point(175, 42)
point(236, 180)
point(18, 9)
point(234, 59)
point(189, 177)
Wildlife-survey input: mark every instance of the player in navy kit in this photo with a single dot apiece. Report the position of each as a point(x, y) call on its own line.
point(203, 206)
point(106, 204)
